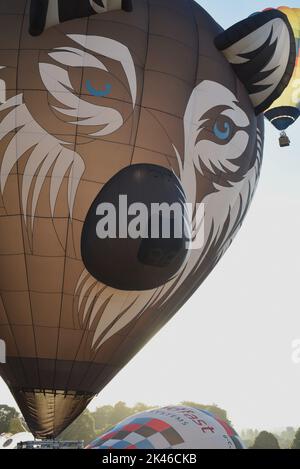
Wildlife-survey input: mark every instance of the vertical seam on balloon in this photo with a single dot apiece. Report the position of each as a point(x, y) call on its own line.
point(134, 143)
point(143, 86)
point(16, 345)
point(138, 125)
point(196, 74)
point(134, 322)
point(191, 7)
point(94, 353)
point(20, 203)
point(83, 331)
point(151, 112)
point(197, 58)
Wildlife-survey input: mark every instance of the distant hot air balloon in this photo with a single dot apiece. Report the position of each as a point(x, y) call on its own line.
point(172, 427)
point(106, 109)
point(286, 109)
point(12, 441)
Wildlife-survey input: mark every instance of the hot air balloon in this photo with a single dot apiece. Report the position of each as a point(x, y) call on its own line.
point(286, 109)
point(105, 116)
point(12, 441)
point(172, 427)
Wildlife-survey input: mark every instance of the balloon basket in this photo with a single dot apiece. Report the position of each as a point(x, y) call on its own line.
point(284, 140)
point(51, 444)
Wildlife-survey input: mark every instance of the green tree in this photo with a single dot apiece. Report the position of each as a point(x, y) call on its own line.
point(214, 409)
point(107, 416)
point(248, 437)
point(16, 426)
point(265, 440)
point(285, 437)
point(120, 412)
point(6, 415)
point(296, 442)
point(83, 428)
point(102, 416)
point(140, 407)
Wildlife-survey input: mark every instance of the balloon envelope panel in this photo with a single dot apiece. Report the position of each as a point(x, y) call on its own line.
point(170, 428)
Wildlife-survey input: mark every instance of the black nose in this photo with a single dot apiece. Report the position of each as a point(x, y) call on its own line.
point(129, 240)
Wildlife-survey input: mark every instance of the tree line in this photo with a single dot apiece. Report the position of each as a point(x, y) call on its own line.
point(91, 424)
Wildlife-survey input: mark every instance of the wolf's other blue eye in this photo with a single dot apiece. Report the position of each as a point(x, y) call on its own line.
point(99, 93)
point(222, 129)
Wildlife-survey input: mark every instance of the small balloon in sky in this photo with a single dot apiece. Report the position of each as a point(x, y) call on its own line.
point(285, 110)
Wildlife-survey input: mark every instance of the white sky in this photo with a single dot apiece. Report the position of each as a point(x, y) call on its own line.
point(231, 342)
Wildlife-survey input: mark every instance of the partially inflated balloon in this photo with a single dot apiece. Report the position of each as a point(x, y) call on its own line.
point(170, 428)
point(110, 109)
point(286, 109)
point(12, 441)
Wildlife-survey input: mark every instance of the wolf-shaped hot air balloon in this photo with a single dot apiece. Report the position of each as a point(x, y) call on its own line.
point(158, 105)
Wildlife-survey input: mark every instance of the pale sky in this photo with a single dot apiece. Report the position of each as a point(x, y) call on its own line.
point(231, 343)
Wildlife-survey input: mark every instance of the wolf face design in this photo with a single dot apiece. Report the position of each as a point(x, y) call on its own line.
point(51, 156)
point(98, 106)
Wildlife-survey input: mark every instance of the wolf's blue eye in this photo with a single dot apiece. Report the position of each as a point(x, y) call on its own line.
point(222, 129)
point(99, 93)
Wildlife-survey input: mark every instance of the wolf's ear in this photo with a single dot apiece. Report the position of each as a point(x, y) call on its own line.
point(262, 52)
